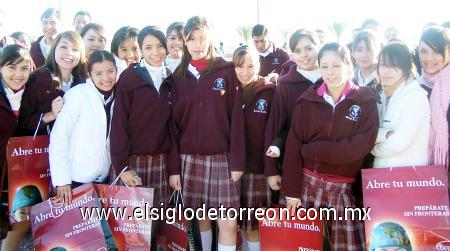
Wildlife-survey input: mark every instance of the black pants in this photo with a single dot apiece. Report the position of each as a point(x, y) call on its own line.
point(77, 184)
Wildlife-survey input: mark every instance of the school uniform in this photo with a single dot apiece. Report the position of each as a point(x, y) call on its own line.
point(370, 81)
point(209, 128)
point(416, 59)
point(290, 87)
point(255, 191)
point(286, 66)
point(79, 141)
point(140, 137)
point(272, 60)
point(37, 100)
point(36, 52)
point(428, 87)
point(374, 84)
point(7, 128)
point(172, 63)
point(325, 149)
point(121, 65)
point(8, 124)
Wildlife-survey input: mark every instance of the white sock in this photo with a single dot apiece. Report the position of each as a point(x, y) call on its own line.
point(253, 246)
point(226, 248)
point(206, 240)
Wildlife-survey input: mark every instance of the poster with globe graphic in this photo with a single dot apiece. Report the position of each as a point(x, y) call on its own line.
point(28, 175)
point(409, 208)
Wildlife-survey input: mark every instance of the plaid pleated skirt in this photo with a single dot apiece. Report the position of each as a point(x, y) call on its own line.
point(255, 193)
point(318, 193)
point(152, 171)
point(207, 180)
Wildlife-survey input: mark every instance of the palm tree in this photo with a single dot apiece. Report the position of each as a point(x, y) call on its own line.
point(245, 32)
point(338, 28)
point(285, 36)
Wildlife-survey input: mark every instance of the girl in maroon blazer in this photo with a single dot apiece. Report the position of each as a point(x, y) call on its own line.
point(51, 25)
point(286, 66)
point(140, 138)
point(15, 65)
point(334, 125)
point(125, 48)
point(257, 94)
point(366, 48)
point(43, 98)
point(175, 42)
point(94, 38)
point(303, 74)
point(209, 129)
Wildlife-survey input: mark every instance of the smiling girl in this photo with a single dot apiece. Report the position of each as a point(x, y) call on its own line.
point(79, 142)
point(303, 74)
point(209, 129)
point(175, 44)
point(434, 55)
point(125, 47)
point(15, 67)
point(365, 51)
point(257, 95)
point(94, 38)
point(42, 100)
point(334, 126)
point(139, 132)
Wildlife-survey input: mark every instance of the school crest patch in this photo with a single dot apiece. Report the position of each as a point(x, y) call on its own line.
point(261, 106)
point(354, 113)
point(276, 60)
point(219, 85)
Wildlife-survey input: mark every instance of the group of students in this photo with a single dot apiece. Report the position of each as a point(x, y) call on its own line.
point(163, 110)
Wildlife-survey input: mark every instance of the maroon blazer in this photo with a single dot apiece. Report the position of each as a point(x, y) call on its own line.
point(256, 113)
point(140, 118)
point(273, 61)
point(7, 125)
point(290, 87)
point(36, 53)
point(37, 100)
point(329, 141)
point(207, 116)
point(286, 66)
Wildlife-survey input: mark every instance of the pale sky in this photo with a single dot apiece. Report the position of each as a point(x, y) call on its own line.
point(226, 15)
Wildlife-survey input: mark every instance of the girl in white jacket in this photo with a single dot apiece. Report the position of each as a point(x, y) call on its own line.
point(404, 112)
point(79, 142)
